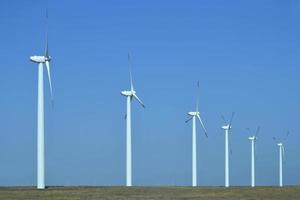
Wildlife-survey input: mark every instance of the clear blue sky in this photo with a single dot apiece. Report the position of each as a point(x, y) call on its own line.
point(245, 55)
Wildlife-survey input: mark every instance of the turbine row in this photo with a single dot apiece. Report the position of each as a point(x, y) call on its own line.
point(131, 94)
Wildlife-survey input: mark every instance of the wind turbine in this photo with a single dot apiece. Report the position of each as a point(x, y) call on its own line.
point(129, 94)
point(281, 157)
point(227, 127)
point(193, 115)
point(253, 139)
point(41, 60)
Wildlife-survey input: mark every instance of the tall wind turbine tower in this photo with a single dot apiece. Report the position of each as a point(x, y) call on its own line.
point(193, 115)
point(253, 155)
point(281, 155)
point(227, 127)
point(129, 94)
point(41, 60)
point(281, 158)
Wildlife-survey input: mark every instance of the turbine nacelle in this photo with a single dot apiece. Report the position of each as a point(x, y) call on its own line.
point(193, 114)
point(40, 59)
point(252, 138)
point(227, 127)
point(128, 93)
point(280, 144)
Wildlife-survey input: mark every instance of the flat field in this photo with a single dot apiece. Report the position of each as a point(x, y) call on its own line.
point(147, 193)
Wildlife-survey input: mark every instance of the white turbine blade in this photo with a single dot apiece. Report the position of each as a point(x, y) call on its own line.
point(248, 129)
point(130, 73)
point(223, 118)
point(138, 99)
point(257, 131)
point(232, 116)
point(49, 77)
point(197, 101)
point(283, 153)
point(46, 46)
point(229, 144)
point(198, 116)
point(255, 151)
point(286, 136)
point(186, 121)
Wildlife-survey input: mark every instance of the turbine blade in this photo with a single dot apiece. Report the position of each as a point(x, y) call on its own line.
point(186, 121)
point(230, 148)
point(223, 118)
point(255, 151)
point(138, 99)
point(50, 83)
point(286, 135)
point(130, 73)
point(46, 46)
point(232, 115)
point(257, 131)
point(198, 116)
point(283, 154)
point(197, 101)
point(248, 129)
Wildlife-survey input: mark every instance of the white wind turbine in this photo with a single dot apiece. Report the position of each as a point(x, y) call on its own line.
point(130, 94)
point(281, 157)
point(227, 127)
point(41, 60)
point(253, 139)
point(193, 115)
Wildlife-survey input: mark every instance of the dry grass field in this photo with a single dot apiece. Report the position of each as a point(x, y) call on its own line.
point(147, 193)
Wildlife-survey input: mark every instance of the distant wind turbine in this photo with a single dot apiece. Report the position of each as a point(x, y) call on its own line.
point(193, 115)
point(253, 155)
point(227, 127)
point(281, 157)
point(131, 94)
point(45, 59)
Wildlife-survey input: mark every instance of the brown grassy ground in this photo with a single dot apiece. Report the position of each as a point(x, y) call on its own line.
point(147, 193)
